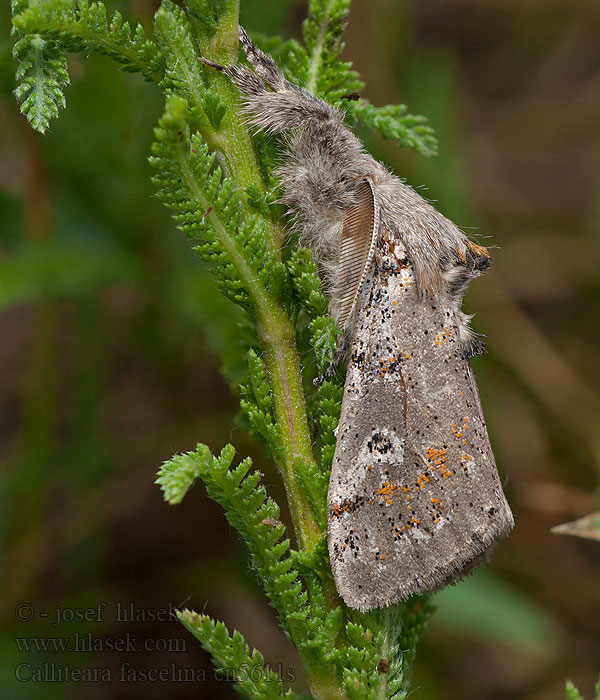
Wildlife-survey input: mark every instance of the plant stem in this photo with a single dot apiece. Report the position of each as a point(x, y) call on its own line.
point(315, 59)
point(277, 335)
point(233, 138)
point(275, 329)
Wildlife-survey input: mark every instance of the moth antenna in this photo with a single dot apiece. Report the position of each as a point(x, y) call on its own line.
point(212, 64)
point(356, 248)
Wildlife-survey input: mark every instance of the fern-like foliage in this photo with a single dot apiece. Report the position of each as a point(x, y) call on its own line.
point(573, 694)
point(255, 517)
point(208, 207)
point(217, 179)
point(395, 123)
point(232, 658)
point(324, 402)
point(322, 72)
point(318, 68)
point(49, 28)
point(85, 26)
point(205, 16)
point(178, 474)
point(257, 405)
point(41, 78)
point(184, 74)
point(323, 333)
point(249, 510)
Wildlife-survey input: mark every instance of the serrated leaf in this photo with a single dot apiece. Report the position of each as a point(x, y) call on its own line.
point(177, 474)
point(41, 78)
point(84, 26)
point(232, 658)
point(587, 527)
point(393, 122)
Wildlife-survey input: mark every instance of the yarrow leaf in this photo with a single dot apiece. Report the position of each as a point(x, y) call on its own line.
point(41, 78)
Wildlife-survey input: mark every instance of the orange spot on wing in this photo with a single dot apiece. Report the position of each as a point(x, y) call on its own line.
point(386, 492)
point(338, 509)
point(459, 433)
point(422, 479)
point(437, 457)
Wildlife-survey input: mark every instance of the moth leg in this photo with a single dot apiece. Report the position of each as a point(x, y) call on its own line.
point(244, 79)
point(471, 262)
point(287, 107)
point(339, 355)
point(263, 64)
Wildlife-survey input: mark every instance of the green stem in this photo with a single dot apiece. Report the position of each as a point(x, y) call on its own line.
point(315, 59)
point(233, 138)
point(276, 331)
point(277, 335)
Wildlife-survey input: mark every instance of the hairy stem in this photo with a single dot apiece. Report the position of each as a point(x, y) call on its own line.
point(275, 329)
point(277, 335)
point(233, 139)
point(315, 61)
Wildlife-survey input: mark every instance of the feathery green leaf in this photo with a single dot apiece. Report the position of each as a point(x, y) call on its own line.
point(184, 74)
point(393, 122)
point(41, 76)
point(257, 405)
point(85, 27)
point(252, 513)
point(233, 660)
point(177, 474)
point(573, 694)
point(323, 28)
point(206, 14)
point(209, 209)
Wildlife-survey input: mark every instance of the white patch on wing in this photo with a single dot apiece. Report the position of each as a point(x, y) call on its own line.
point(382, 445)
point(419, 535)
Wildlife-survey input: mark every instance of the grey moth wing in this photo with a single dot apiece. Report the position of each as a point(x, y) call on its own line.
point(414, 497)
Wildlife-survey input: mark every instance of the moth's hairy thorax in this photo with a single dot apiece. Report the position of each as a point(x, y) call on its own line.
point(325, 163)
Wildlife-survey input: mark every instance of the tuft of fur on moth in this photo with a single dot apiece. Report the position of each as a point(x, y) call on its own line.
point(415, 500)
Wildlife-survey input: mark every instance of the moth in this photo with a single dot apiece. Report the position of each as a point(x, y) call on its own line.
point(415, 500)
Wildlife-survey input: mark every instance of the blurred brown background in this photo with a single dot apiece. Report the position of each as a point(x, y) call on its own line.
point(108, 362)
